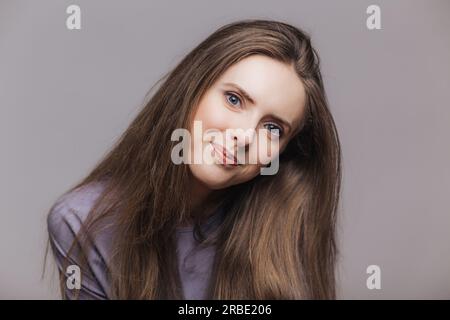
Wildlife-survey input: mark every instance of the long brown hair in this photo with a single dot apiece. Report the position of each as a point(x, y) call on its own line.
point(277, 239)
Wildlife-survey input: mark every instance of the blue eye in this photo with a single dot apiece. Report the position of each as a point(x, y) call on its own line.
point(234, 98)
point(274, 126)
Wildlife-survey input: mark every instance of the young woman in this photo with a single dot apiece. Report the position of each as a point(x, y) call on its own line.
point(141, 226)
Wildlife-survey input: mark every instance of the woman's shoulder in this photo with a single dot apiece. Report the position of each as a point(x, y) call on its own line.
point(72, 208)
point(64, 221)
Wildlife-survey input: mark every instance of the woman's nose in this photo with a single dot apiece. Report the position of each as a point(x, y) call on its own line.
point(242, 137)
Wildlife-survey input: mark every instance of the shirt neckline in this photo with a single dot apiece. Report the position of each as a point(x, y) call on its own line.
point(213, 218)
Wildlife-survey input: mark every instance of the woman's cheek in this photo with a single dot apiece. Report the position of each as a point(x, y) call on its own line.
point(213, 116)
point(264, 146)
point(270, 149)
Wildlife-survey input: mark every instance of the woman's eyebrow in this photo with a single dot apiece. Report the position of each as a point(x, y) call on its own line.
point(249, 98)
point(241, 91)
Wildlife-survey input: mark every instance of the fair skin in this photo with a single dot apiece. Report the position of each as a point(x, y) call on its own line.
point(278, 103)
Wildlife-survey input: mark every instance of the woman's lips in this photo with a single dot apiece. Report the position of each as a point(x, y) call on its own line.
point(225, 154)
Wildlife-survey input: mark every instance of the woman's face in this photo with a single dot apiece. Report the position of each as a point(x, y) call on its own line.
point(240, 113)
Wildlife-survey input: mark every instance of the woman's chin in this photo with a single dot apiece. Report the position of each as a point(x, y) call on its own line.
point(214, 176)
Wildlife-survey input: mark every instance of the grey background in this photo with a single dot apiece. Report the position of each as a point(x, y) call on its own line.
point(65, 96)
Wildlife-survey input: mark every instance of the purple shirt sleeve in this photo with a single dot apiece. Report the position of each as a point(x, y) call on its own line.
point(64, 221)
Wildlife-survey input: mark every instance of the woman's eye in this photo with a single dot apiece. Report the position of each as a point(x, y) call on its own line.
point(233, 99)
point(274, 126)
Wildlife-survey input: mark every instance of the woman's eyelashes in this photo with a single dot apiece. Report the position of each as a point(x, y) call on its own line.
point(235, 98)
point(278, 133)
point(236, 101)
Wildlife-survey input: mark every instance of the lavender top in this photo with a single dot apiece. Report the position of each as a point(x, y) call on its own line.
point(65, 219)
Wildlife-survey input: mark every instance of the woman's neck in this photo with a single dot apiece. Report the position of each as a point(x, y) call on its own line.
point(203, 200)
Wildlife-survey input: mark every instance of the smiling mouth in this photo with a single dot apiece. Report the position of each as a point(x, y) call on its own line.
point(222, 152)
